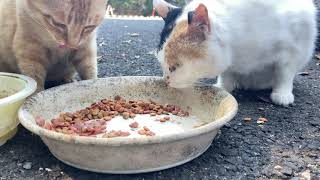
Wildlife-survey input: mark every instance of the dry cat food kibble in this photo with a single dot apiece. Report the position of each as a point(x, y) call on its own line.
point(134, 125)
point(113, 134)
point(146, 131)
point(262, 120)
point(165, 119)
point(92, 120)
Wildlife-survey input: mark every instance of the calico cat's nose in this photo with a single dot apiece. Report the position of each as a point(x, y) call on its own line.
point(167, 81)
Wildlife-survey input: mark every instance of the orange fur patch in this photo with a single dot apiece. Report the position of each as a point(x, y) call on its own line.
point(185, 41)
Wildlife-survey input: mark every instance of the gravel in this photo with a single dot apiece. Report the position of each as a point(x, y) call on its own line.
point(242, 150)
point(27, 165)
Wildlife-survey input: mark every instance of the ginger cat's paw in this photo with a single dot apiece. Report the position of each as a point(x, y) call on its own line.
point(69, 79)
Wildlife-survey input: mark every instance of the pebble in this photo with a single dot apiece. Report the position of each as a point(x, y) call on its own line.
point(295, 178)
point(287, 171)
point(27, 165)
point(262, 120)
point(314, 123)
point(48, 169)
point(306, 175)
point(134, 34)
point(277, 167)
point(292, 165)
point(304, 73)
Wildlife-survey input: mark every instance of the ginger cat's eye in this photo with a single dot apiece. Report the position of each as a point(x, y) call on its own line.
point(89, 29)
point(55, 24)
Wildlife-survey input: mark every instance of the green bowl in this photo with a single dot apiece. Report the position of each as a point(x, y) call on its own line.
point(14, 89)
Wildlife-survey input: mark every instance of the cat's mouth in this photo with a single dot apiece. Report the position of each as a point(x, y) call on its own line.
point(63, 45)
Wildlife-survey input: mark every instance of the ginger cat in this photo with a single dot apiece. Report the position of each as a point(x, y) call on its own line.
point(50, 40)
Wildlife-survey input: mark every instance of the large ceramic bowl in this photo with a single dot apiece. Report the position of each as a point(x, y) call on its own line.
point(14, 89)
point(124, 155)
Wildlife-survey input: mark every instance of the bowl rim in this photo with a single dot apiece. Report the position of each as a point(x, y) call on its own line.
point(215, 125)
point(30, 88)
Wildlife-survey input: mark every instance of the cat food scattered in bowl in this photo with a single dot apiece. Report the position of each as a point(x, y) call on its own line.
point(113, 134)
point(93, 120)
point(146, 131)
point(134, 125)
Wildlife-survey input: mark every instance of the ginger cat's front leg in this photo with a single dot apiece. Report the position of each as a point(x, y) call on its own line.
point(85, 62)
point(31, 62)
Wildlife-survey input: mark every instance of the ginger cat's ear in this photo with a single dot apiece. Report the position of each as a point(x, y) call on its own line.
point(162, 7)
point(199, 18)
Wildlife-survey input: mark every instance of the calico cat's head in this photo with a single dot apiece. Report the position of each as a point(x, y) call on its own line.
point(69, 22)
point(185, 54)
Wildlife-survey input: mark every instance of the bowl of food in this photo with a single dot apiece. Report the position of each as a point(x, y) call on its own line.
point(14, 89)
point(126, 125)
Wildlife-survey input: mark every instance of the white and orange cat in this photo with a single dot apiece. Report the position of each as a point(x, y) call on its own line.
point(249, 44)
point(50, 39)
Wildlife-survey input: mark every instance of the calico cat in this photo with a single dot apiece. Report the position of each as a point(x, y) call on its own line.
point(50, 39)
point(249, 44)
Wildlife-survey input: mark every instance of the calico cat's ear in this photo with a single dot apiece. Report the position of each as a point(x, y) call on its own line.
point(199, 18)
point(162, 7)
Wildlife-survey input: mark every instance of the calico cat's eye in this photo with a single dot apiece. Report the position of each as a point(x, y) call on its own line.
point(89, 29)
point(174, 68)
point(54, 23)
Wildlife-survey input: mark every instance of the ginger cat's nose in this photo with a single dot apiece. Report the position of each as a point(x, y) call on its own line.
point(66, 46)
point(74, 38)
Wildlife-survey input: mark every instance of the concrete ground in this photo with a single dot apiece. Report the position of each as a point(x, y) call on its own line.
point(286, 147)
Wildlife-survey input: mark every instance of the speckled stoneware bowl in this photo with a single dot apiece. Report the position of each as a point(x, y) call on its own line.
point(210, 106)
